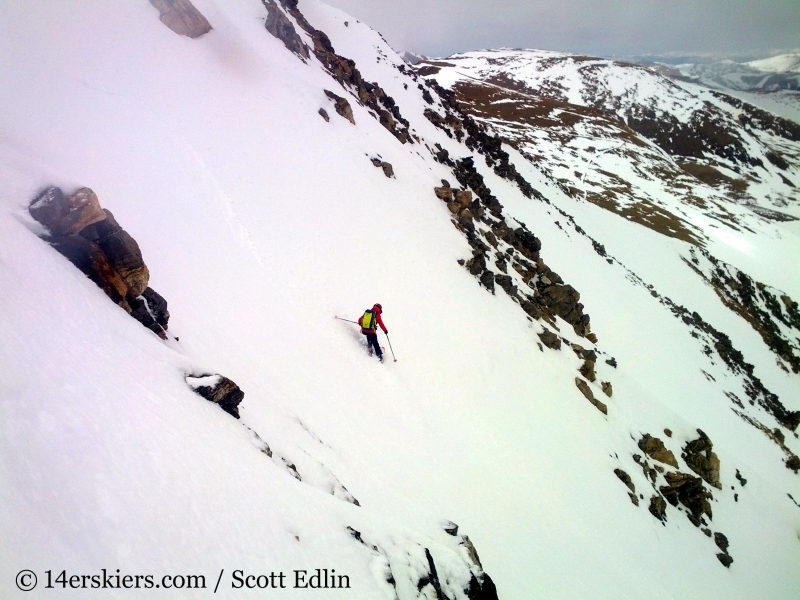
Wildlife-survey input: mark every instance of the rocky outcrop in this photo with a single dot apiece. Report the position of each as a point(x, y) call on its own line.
point(700, 458)
point(182, 17)
point(279, 25)
point(122, 251)
point(587, 393)
point(217, 389)
point(383, 106)
point(690, 492)
point(92, 240)
point(655, 449)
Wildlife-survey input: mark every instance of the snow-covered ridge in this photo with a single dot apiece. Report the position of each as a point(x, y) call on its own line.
point(261, 220)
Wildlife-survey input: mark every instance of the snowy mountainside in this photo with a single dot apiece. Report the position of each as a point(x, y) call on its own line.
point(244, 164)
point(779, 64)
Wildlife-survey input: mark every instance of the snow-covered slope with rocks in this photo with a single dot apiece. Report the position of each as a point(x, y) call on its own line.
point(251, 165)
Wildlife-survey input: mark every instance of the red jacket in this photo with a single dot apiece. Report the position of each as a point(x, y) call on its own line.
point(377, 312)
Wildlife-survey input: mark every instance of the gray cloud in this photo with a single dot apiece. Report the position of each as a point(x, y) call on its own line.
point(603, 27)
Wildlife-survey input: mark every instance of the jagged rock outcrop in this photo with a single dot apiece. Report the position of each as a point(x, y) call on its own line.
point(217, 389)
point(655, 449)
point(182, 17)
point(92, 240)
point(700, 458)
point(282, 28)
point(344, 70)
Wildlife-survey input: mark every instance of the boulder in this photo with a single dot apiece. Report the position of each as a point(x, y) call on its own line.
point(463, 198)
point(702, 460)
point(66, 216)
point(725, 559)
point(92, 262)
point(655, 449)
point(217, 389)
point(607, 389)
point(689, 491)
point(150, 309)
point(122, 251)
point(550, 339)
point(444, 193)
point(658, 508)
point(626, 479)
point(324, 114)
point(49, 207)
point(487, 279)
point(182, 17)
point(342, 106)
point(587, 370)
point(505, 282)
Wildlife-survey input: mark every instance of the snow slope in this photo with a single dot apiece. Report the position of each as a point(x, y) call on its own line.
point(259, 222)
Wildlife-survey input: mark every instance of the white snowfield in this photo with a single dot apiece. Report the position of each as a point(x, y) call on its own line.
point(259, 222)
point(778, 64)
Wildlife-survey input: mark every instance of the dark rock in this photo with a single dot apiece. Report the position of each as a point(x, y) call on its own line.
point(342, 106)
point(279, 25)
point(587, 392)
point(49, 207)
point(793, 463)
point(444, 193)
point(388, 170)
point(668, 432)
point(83, 209)
point(217, 389)
point(587, 370)
point(150, 309)
point(324, 114)
point(505, 282)
point(658, 508)
point(700, 459)
point(725, 559)
point(487, 279)
point(607, 389)
point(550, 339)
point(625, 478)
point(123, 253)
point(634, 499)
point(612, 362)
point(655, 449)
point(92, 262)
point(689, 491)
point(721, 541)
point(182, 17)
point(741, 479)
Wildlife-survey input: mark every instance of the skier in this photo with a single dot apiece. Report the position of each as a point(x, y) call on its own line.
point(368, 327)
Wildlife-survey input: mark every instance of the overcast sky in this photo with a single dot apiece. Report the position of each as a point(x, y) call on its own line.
point(603, 27)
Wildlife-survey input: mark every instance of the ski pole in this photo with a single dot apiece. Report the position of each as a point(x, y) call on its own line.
point(341, 319)
point(390, 347)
